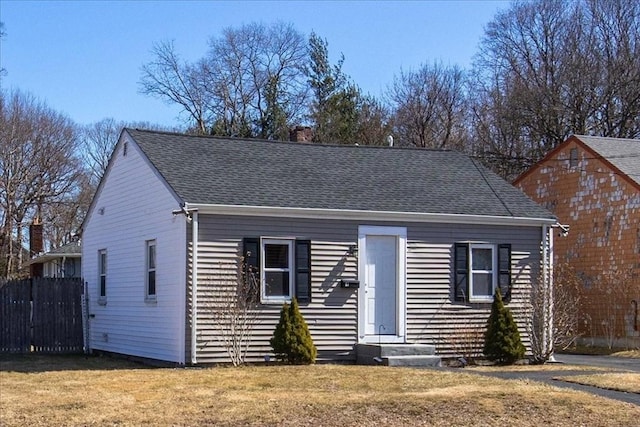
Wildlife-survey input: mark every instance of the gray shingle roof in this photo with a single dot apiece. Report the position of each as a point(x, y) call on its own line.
point(248, 172)
point(622, 153)
point(70, 250)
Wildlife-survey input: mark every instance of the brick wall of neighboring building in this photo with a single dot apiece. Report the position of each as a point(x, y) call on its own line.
point(602, 208)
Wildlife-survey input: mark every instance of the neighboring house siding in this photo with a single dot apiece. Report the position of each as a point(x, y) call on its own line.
point(333, 312)
point(602, 209)
point(62, 267)
point(123, 218)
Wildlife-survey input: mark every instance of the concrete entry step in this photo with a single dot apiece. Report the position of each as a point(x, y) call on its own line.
point(397, 354)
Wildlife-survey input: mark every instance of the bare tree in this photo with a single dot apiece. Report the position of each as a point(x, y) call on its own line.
point(429, 107)
point(548, 69)
point(100, 138)
point(251, 82)
point(176, 82)
point(38, 165)
point(245, 66)
point(375, 123)
point(98, 142)
point(3, 33)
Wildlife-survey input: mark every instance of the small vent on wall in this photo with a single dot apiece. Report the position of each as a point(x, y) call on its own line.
point(124, 149)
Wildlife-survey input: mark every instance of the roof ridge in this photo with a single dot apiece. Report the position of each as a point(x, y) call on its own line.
point(296, 143)
point(606, 137)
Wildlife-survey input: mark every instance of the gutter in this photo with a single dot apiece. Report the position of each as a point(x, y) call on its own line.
point(363, 215)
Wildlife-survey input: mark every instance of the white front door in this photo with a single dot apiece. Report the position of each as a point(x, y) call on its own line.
point(382, 278)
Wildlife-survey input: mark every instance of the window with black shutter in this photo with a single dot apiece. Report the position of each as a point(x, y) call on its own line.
point(280, 267)
point(478, 269)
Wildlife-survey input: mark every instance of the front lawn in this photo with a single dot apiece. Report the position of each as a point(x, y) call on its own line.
point(44, 391)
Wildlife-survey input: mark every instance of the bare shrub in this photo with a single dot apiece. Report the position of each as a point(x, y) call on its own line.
point(235, 309)
point(558, 305)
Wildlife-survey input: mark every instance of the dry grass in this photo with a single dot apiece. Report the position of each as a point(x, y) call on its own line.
point(535, 368)
point(633, 354)
point(39, 391)
point(613, 381)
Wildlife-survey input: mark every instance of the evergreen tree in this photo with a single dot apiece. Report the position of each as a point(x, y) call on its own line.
point(502, 340)
point(291, 341)
point(334, 107)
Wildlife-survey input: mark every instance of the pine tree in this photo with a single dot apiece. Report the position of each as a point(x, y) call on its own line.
point(291, 341)
point(502, 340)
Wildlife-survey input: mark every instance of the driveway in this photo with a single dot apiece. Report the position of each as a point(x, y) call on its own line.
point(618, 364)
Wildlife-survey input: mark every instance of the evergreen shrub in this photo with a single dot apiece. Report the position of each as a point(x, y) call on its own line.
point(291, 341)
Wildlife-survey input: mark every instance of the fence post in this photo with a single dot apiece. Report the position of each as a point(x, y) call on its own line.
point(85, 319)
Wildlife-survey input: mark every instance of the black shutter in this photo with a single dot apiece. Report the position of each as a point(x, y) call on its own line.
point(251, 259)
point(504, 271)
point(303, 271)
point(461, 272)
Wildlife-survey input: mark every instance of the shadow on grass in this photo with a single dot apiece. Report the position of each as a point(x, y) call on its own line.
point(33, 363)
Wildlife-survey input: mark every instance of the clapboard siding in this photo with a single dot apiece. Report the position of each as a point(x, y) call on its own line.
point(121, 222)
point(432, 317)
point(332, 314)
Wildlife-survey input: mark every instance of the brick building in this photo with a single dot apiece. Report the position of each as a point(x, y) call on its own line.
point(592, 184)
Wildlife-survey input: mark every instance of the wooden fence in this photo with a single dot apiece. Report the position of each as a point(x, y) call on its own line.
point(41, 316)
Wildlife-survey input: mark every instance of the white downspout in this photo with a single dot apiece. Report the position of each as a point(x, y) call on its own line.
point(194, 284)
point(550, 290)
point(545, 285)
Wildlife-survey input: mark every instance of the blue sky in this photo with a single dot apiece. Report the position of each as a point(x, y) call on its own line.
point(83, 57)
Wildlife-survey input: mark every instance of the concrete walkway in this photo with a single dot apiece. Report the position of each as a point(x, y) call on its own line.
point(618, 364)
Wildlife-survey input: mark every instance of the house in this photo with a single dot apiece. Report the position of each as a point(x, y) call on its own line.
point(378, 245)
point(62, 262)
point(592, 184)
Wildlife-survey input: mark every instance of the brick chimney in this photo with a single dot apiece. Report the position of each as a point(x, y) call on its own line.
point(301, 134)
point(36, 245)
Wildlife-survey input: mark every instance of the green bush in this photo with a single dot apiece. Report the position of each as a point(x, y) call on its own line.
point(291, 341)
point(502, 340)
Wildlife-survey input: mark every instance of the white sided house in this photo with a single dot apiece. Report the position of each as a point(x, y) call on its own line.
point(378, 244)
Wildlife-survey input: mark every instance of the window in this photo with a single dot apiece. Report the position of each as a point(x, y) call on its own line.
point(102, 275)
point(150, 278)
point(479, 268)
point(277, 270)
point(573, 158)
point(281, 267)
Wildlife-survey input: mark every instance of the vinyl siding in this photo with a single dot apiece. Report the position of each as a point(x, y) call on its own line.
point(132, 207)
point(432, 316)
point(332, 314)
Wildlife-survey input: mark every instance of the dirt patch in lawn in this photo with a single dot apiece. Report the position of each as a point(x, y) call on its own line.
point(77, 391)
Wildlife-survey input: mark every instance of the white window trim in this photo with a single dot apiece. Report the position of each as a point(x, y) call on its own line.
point(102, 272)
point(148, 269)
point(276, 299)
point(494, 272)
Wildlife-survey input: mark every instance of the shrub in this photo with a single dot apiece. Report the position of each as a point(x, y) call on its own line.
point(291, 341)
point(502, 341)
